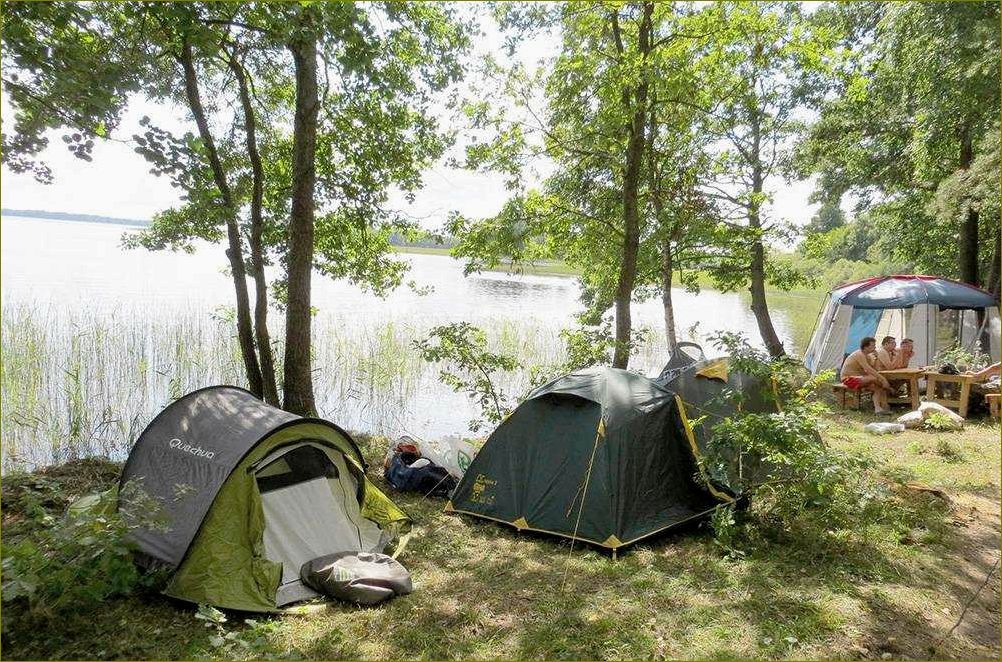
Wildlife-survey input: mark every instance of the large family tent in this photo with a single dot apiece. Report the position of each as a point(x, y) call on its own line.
point(249, 493)
point(936, 313)
point(600, 455)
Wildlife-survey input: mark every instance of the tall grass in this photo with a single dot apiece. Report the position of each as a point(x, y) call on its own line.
point(86, 380)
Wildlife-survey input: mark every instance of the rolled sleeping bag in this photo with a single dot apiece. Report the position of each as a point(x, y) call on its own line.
point(365, 578)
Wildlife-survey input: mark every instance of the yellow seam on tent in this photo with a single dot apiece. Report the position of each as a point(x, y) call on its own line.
point(520, 523)
point(401, 544)
point(528, 528)
point(448, 506)
point(695, 451)
point(594, 542)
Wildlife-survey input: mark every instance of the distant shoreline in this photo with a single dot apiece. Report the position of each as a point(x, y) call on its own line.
point(67, 216)
point(544, 268)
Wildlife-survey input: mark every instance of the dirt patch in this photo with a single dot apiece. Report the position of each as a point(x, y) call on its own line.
point(54, 488)
point(922, 630)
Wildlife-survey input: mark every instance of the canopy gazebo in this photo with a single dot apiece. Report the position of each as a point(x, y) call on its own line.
point(936, 313)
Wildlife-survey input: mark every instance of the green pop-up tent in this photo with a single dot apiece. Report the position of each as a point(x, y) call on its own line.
point(248, 494)
point(600, 455)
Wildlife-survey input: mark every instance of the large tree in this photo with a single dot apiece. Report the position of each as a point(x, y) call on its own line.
point(907, 105)
point(356, 83)
point(753, 66)
point(602, 116)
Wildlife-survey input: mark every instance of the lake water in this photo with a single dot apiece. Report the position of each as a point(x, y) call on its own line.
point(133, 329)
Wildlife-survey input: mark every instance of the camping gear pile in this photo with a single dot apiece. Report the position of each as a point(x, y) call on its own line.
point(936, 313)
point(406, 470)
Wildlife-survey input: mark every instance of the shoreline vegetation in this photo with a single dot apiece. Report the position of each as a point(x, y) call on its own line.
point(820, 275)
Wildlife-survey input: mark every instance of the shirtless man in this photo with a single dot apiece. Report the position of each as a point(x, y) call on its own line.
point(905, 354)
point(857, 373)
point(984, 375)
point(886, 357)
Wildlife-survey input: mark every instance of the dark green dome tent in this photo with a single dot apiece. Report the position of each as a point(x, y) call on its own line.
point(712, 390)
point(249, 493)
point(601, 455)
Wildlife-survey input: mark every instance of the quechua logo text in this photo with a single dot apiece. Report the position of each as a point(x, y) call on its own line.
point(197, 451)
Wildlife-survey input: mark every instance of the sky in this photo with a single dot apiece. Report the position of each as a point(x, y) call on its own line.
point(118, 181)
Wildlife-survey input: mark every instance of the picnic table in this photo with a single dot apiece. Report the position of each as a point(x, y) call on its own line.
point(962, 383)
point(910, 377)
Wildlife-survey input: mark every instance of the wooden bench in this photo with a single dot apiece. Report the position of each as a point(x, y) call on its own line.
point(846, 395)
point(993, 404)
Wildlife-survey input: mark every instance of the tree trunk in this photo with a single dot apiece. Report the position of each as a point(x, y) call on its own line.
point(234, 252)
point(968, 253)
point(994, 284)
point(756, 268)
point(666, 279)
point(631, 194)
point(269, 387)
point(298, 382)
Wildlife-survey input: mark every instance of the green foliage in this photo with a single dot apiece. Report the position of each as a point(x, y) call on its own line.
point(74, 563)
point(795, 481)
point(251, 642)
point(828, 217)
point(790, 384)
point(944, 448)
point(469, 366)
point(962, 357)
point(913, 88)
point(588, 346)
point(938, 421)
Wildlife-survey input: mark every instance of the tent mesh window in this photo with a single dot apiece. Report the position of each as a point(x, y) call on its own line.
point(297, 466)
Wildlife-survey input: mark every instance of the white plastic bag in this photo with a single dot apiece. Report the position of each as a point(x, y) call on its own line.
point(450, 452)
point(912, 419)
point(883, 428)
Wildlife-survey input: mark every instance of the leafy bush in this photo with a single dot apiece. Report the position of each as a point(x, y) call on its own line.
point(469, 366)
point(946, 450)
point(963, 358)
point(250, 642)
point(795, 482)
point(72, 563)
point(937, 420)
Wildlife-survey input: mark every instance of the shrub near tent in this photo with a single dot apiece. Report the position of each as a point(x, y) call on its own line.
point(250, 493)
point(713, 390)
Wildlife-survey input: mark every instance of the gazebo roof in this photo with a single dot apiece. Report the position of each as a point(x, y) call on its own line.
point(905, 291)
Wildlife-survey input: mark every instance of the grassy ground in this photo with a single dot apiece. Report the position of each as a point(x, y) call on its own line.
point(483, 591)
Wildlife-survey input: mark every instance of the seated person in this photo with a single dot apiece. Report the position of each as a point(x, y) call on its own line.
point(858, 374)
point(986, 373)
point(886, 356)
point(905, 354)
